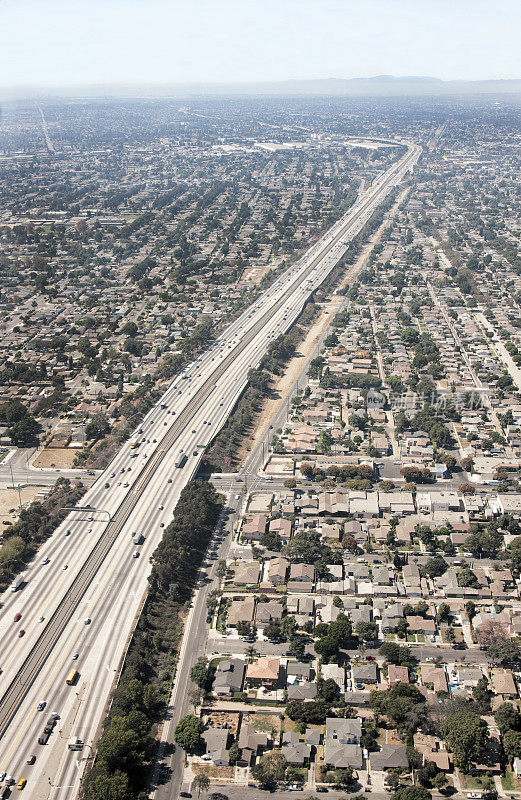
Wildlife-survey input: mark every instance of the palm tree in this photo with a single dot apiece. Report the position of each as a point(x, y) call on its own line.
point(251, 654)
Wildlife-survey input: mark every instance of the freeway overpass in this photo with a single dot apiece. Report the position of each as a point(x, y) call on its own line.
point(84, 590)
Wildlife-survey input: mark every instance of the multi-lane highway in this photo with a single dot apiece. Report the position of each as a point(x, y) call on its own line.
point(84, 589)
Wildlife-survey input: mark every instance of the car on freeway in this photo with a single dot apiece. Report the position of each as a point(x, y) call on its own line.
point(75, 656)
point(87, 621)
point(65, 566)
point(17, 616)
point(21, 633)
point(21, 783)
point(67, 532)
point(2, 775)
point(41, 619)
point(184, 794)
point(31, 759)
point(41, 705)
point(45, 560)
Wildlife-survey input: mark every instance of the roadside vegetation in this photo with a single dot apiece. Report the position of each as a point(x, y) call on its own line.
point(223, 454)
point(127, 745)
point(36, 523)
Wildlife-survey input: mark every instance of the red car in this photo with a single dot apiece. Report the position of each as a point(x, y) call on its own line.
point(21, 633)
point(17, 617)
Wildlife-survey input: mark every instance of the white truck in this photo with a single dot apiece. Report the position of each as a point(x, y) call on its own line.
point(17, 582)
point(75, 744)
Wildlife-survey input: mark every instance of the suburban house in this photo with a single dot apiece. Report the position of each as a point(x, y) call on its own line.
point(264, 672)
point(229, 676)
point(390, 756)
point(216, 741)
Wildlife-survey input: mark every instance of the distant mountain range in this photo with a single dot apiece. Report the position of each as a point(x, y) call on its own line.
point(378, 86)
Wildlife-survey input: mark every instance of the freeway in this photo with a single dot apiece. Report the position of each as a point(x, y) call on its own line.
point(84, 590)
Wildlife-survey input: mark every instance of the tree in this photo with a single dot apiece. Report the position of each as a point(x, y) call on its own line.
point(273, 630)
point(450, 636)
point(188, 733)
point(328, 690)
point(328, 648)
point(201, 674)
point(412, 793)
point(470, 608)
point(129, 329)
point(312, 712)
point(251, 654)
point(367, 631)
point(243, 627)
point(507, 653)
point(512, 744)
point(270, 768)
point(233, 753)
point(271, 540)
point(97, 427)
point(515, 553)
point(12, 411)
point(196, 696)
point(401, 628)
point(444, 614)
point(201, 783)
point(403, 703)
point(466, 735)
point(297, 648)
point(435, 567)
point(507, 718)
point(24, 431)
point(467, 579)
point(467, 488)
point(482, 694)
point(110, 787)
point(395, 653)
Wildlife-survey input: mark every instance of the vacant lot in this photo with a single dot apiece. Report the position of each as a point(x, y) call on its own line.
point(55, 457)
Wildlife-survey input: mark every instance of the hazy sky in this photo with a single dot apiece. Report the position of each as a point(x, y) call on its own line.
point(60, 42)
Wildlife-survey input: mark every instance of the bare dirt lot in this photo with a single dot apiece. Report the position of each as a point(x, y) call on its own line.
point(9, 499)
point(59, 457)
